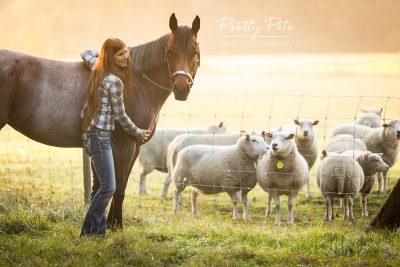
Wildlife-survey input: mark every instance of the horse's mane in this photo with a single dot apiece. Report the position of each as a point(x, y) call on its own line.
point(152, 54)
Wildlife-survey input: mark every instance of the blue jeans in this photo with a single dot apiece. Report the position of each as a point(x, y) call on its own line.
point(98, 147)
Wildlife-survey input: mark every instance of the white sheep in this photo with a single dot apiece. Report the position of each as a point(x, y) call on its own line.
point(371, 163)
point(214, 169)
point(183, 140)
point(339, 176)
point(153, 154)
point(383, 140)
point(343, 142)
point(283, 171)
point(306, 143)
point(370, 117)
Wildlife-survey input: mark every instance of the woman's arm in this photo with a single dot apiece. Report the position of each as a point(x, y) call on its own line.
point(90, 57)
point(116, 88)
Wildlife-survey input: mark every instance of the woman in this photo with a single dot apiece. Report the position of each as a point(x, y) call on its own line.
point(109, 80)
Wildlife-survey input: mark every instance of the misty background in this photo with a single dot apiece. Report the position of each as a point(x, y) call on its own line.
point(248, 70)
point(61, 29)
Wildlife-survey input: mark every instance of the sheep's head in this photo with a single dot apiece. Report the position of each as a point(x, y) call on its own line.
point(376, 162)
point(305, 129)
point(377, 111)
point(218, 129)
point(253, 145)
point(372, 162)
point(281, 142)
point(392, 129)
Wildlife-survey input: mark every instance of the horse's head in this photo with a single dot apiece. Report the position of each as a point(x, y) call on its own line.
point(183, 56)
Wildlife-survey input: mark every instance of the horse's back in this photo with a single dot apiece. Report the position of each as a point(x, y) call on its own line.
point(42, 98)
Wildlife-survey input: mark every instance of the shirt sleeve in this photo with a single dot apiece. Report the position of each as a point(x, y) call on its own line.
point(116, 88)
point(90, 57)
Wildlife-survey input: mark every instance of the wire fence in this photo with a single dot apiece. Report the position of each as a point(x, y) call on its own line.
point(26, 165)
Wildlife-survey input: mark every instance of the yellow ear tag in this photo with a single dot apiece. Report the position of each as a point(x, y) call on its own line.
point(279, 165)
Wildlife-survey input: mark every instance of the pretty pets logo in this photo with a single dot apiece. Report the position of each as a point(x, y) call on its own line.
point(252, 29)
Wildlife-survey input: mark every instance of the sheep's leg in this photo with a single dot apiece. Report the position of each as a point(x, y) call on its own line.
point(309, 194)
point(167, 182)
point(245, 204)
point(350, 208)
point(142, 183)
point(195, 207)
point(380, 186)
point(345, 210)
point(235, 200)
point(175, 200)
point(333, 214)
point(278, 210)
point(269, 210)
point(364, 205)
point(327, 209)
point(290, 209)
point(385, 182)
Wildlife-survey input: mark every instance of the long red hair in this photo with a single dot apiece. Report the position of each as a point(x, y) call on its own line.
point(104, 66)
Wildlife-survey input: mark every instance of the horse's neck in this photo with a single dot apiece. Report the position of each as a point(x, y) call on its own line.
point(148, 98)
point(156, 93)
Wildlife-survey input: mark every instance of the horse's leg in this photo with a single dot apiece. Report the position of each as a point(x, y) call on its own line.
point(125, 154)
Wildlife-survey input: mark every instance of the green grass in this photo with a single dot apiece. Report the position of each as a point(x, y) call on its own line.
point(41, 211)
point(37, 234)
point(41, 192)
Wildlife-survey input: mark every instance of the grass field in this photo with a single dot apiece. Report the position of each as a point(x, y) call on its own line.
point(41, 192)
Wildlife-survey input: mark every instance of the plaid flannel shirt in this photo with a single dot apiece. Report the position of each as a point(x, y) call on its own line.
point(111, 100)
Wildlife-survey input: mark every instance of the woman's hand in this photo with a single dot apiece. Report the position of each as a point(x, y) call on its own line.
point(143, 135)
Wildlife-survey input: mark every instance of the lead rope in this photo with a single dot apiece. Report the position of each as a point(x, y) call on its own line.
point(156, 84)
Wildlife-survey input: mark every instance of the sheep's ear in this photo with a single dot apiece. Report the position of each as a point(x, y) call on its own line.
point(296, 121)
point(220, 124)
point(196, 25)
point(380, 112)
point(316, 122)
point(173, 23)
point(247, 137)
point(269, 135)
point(290, 136)
point(363, 110)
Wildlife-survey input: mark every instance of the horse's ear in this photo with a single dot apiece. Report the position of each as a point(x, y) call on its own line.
point(173, 23)
point(196, 25)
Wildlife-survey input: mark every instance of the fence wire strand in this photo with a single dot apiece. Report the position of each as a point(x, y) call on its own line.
point(216, 116)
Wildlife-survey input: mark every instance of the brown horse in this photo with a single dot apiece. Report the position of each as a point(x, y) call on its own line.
point(43, 98)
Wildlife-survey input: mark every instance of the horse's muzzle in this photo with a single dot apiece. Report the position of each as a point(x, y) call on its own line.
point(181, 94)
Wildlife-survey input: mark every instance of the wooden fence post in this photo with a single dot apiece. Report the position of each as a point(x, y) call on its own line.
point(389, 215)
point(87, 181)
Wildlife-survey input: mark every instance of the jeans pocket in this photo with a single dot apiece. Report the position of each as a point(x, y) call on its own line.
point(104, 140)
point(86, 145)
